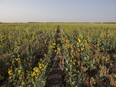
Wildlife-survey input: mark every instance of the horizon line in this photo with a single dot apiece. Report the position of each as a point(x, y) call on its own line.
point(63, 22)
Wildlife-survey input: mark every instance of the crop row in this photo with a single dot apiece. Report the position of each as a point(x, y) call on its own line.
point(89, 52)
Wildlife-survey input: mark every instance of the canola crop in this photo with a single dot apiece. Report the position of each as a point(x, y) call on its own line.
point(89, 52)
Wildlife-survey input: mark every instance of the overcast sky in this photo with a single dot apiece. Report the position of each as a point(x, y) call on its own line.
point(57, 10)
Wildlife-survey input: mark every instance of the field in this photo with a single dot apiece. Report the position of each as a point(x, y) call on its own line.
point(58, 55)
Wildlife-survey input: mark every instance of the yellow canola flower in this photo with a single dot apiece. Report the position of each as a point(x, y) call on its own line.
point(53, 44)
point(10, 77)
point(58, 49)
point(106, 60)
point(18, 60)
point(36, 70)
point(33, 74)
point(22, 83)
point(67, 41)
point(77, 86)
point(79, 40)
point(71, 61)
point(19, 71)
point(10, 72)
point(78, 50)
point(41, 66)
point(20, 77)
point(92, 80)
point(20, 86)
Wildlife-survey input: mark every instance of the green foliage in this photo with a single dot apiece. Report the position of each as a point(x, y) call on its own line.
point(89, 51)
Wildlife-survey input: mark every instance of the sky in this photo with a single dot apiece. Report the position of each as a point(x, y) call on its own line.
point(57, 10)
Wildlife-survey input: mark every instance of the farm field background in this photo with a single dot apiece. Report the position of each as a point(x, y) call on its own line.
point(87, 52)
